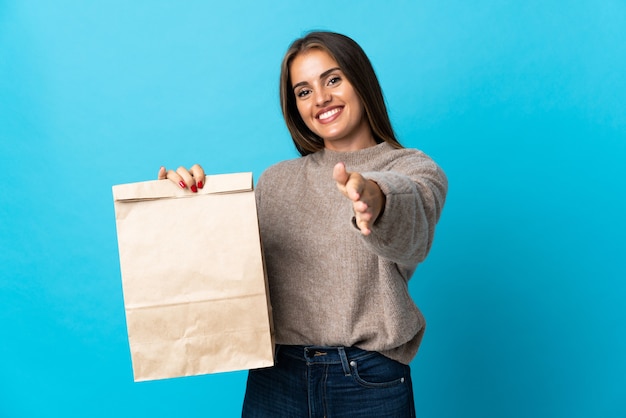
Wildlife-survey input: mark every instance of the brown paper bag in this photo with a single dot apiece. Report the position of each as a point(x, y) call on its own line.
point(195, 290)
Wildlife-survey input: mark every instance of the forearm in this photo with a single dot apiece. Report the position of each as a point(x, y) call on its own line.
point(404, 231)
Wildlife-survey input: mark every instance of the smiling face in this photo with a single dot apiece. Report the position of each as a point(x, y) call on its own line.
point(327, 102)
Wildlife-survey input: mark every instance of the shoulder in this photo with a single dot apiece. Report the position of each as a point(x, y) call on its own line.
point(406, 158)
point(282, 168)
point(401, 164)
point(280, 173)
point(405, 153)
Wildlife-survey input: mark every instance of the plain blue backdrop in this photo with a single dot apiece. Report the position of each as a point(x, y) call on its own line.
point(521, 102)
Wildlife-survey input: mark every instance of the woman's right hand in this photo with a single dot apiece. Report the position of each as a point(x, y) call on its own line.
point(192, 178)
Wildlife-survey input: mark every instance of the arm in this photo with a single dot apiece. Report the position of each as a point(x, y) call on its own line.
point(414, 192)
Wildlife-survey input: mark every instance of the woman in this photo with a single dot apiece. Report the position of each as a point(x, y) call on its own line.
point(339, 261)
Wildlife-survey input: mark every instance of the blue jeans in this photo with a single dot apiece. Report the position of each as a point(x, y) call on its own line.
point(329, 382)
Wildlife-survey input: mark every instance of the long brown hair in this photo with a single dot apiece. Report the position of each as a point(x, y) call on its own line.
point(358, 70)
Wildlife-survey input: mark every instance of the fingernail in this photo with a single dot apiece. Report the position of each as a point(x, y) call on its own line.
point(200, 185)
point(194, 189)
point(182, 184)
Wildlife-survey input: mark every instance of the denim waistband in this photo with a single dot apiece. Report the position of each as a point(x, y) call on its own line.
point(313, 354)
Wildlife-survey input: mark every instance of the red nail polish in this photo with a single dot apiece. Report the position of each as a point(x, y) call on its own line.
point(194, 189)
point(182, 184)
point(200, 185)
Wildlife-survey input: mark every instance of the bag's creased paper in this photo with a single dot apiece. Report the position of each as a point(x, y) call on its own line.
point(194, 284)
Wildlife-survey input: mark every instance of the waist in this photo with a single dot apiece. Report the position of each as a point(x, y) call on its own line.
point(323, 354)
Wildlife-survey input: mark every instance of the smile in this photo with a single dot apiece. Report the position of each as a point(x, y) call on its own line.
point(328, 114)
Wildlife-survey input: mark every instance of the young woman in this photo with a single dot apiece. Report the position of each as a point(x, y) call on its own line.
point(343, 229)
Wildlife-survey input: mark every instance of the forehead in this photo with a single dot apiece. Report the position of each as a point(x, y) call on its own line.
point(310, 64)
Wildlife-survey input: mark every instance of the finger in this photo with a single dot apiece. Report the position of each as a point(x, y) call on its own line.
point(187, 179)
point(162, 173)
point(198, 174)
point(354, 186)
point(347, 182)
point(176, 178)
point(364, 226)
point(361, 207)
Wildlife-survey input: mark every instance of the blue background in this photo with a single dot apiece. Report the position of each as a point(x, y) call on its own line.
point(521, 102)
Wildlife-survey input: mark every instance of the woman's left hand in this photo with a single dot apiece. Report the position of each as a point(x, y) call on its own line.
point(367, 199)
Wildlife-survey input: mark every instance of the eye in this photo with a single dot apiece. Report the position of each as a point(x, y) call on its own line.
point(303, 93)
point(335, 79)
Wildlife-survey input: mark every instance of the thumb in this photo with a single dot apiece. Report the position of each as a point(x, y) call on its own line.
point(162, 173)
point(340, 175)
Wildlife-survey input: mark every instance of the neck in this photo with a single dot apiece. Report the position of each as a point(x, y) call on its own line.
point(361, 139)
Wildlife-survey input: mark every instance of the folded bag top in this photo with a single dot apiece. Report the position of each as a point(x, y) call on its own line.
point(161, 189)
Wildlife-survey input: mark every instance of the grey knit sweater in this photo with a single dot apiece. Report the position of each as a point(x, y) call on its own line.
point(330, 285)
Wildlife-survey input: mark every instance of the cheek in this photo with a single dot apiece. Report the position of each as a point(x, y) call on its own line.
point(356, 103)
point(302, 108)
point(304, 111)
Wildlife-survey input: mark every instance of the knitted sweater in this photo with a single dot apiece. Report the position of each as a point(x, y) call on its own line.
point(328, 284)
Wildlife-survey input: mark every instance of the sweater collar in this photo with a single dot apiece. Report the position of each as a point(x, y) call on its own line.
point(350, 158)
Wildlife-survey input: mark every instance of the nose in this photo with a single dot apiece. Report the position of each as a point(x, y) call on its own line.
point(322, 97)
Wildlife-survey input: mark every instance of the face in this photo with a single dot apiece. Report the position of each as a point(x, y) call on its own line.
point(327, 102)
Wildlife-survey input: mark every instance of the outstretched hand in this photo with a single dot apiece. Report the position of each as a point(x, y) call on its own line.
point(367, 199)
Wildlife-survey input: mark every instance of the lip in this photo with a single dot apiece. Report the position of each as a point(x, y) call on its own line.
point(336, 109)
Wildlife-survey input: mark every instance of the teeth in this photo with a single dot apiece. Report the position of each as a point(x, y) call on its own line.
point(328, 114)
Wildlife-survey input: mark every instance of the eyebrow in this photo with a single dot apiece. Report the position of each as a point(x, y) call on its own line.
point(324, 74)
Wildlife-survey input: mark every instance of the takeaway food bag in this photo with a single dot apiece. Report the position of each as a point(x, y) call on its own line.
point(194, 284)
